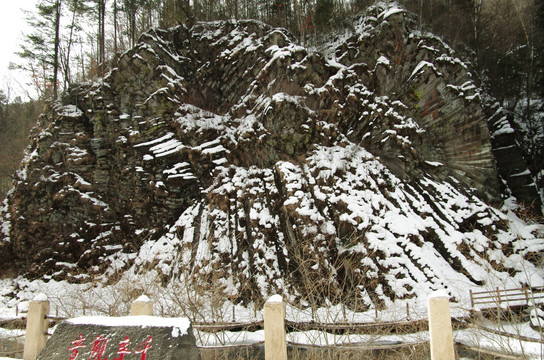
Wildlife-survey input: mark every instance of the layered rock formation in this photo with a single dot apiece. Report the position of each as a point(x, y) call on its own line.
point(230, 155)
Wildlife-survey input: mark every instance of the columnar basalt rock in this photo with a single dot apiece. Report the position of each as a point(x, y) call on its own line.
point(228, 152)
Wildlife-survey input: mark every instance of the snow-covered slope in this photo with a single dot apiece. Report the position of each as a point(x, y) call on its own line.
point(229, 157)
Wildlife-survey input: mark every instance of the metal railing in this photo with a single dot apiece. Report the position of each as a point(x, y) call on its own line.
point(508, 297)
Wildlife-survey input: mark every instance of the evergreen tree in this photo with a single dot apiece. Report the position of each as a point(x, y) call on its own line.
point(539, 22)
point(130, 8)
point(323, 17)
point(171, 13)
point(40, 51)
point(77, 8)
point(101, 38)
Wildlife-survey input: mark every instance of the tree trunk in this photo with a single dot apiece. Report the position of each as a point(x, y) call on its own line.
point(67, 75)
point(57, 44)
point(115, 48)
point(101, 37)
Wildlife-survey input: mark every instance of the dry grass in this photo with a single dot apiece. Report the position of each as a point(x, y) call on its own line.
point(12, 349)
point(256, 352)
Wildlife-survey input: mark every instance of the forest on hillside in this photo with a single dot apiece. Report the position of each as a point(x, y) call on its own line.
point(75, 41)
point(16, 120)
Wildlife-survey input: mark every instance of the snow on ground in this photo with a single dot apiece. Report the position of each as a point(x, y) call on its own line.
point(470, 337)
point(508, 345)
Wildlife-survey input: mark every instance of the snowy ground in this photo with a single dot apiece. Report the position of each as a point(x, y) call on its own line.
point(470, 337)
point(65, 302)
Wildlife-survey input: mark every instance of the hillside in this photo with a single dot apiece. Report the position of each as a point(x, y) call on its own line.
point(228, 156)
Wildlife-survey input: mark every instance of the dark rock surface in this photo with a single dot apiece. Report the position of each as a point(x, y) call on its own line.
point(109, 341)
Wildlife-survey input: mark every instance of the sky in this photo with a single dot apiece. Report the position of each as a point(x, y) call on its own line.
point(12, 26)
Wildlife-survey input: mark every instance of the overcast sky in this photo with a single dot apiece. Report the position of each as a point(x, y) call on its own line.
point(12, 25)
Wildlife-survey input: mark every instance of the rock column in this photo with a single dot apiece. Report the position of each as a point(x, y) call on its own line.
point(440, 330)
point(141, 306)
point(275, 343)
point(36, 327)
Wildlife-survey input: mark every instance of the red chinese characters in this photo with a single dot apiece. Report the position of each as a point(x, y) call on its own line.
point(143, 348)
point(99, 347)
point(123, 349)
point(76, 345)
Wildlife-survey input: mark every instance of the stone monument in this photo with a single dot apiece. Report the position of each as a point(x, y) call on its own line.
point(122, 338)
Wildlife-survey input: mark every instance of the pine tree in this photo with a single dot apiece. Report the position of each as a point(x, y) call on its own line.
point(175, 12)
point(323, 17)
point(41, 49)
point(72, 29)
point(539, 20)
point(101, 10)
point(130, 8)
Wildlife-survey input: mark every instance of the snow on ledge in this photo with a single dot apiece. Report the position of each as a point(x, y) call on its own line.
point(70, 111)
point(275, 299)
point(434, 163)
point(390, 12)
point(439, 294)
point(143, 299)
point(181, 324)
point(40, 297)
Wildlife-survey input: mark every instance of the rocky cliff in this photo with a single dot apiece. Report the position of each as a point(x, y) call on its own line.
point(230, 155)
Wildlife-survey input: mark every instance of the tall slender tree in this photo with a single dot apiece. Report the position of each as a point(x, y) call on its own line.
point(115, 28)
point(101, 38)
point(56, 23)
point(72, 29)
point(40, 51)
point(539, 22)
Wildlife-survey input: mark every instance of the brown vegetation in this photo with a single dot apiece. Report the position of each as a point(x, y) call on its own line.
point(16, 120)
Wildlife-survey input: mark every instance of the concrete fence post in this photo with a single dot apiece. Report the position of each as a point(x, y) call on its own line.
point(37, 326)
point(275, 343)
point(440, 330)
point(141, 306)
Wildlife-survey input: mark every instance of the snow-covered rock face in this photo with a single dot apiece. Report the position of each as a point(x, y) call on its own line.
point(229, 155)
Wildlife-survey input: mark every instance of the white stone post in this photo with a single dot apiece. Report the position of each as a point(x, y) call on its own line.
point(37, 326)
point(440, 330)
point(141, 306)
point(275, 343)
